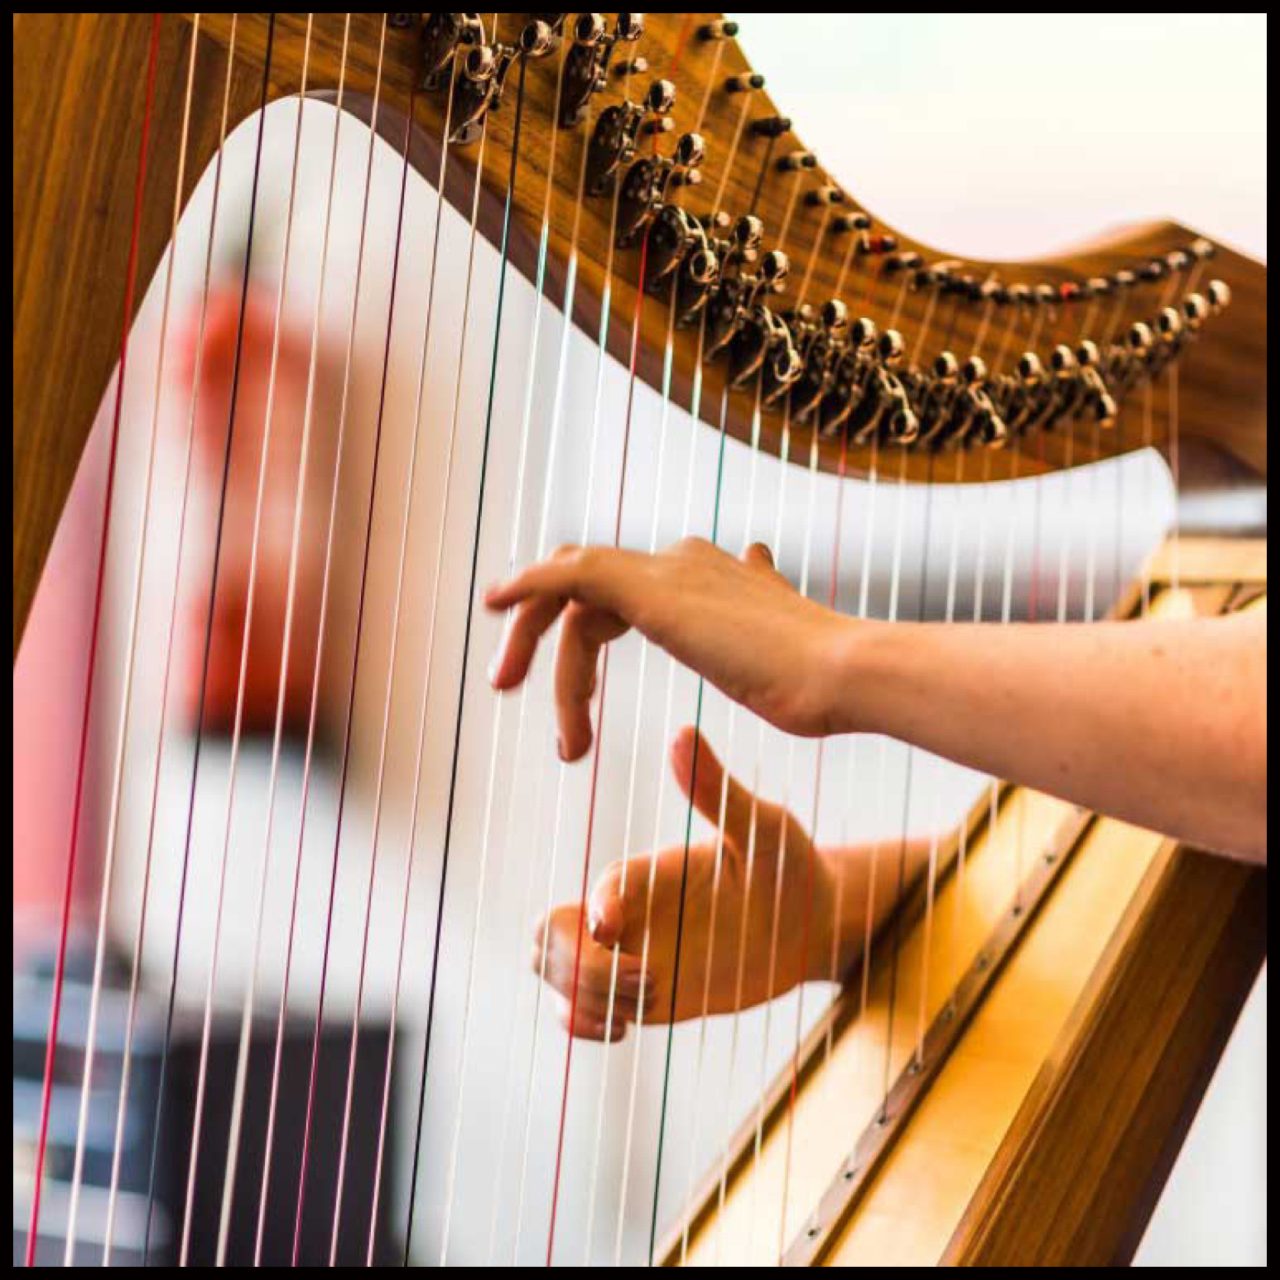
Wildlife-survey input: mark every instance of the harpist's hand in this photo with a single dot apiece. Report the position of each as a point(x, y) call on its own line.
point(739, 623)
point(616, 915)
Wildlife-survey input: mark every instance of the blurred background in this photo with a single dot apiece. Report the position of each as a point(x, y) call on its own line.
point(1009, 135)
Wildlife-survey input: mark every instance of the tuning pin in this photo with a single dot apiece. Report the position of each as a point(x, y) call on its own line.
point(946, 368)
point(797, 160)
point(892, 348)
point(774, 267)
point(479, 64)
point(1169, 323)
point(718, 30)
point(1141, 339)
point(835, 316)
point(588, 29)
point(1104, 410)
point(536, 39)
point(1019, 294)
point(659, 101)
point(629, 27)
point(745, 84)
point(1201, 249)
point(1045, 294)
point(1195, 308)
point(690, 150)
point(1218, 294)
point(1030, 370)
point(879, 244)
point(907, 260)
point(1123, 279)
point(1178, 260)
point(974, 371)
point(1156, 269)
point(1063, 359)
point(863, 333)
point(820, 197)
point(1098, 286)
point(851, 222)
point(1087, 354)
point(748, 231)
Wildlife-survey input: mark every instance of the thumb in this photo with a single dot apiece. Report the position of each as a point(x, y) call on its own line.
point(606, 916)
point(704, 781)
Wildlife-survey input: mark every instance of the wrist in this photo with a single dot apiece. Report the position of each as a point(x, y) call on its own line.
point(857, 666)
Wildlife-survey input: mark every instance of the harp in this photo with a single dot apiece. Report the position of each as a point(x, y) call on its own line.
point(945, 1105)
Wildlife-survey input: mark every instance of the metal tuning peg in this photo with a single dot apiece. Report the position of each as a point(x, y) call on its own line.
point(644, 189)
point(587, 62)
point(820, 339)
point(613, 141)
point(443, 35)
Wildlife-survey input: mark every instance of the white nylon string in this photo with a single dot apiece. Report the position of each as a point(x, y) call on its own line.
point(126, 697)
point(592, 1180)
point(695, 408)
point(408, 499)
point(136, 966)
point(543, 536)
point(269, 1143)
point(206, 1029)
point(496, 727)
point(606, 304)
point(250, 995)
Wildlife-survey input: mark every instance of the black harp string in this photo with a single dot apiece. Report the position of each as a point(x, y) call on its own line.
point(163, 1069)
point(466, 637)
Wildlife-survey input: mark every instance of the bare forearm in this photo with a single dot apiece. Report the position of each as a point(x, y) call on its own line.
point(1161, 723)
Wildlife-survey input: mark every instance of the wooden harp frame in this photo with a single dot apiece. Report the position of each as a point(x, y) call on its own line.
point(1073, 1180)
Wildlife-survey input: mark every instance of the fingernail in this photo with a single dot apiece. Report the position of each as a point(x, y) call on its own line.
point(593, 922)
point(492, 670)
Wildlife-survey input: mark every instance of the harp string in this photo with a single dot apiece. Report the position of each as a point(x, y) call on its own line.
point(408, 504)
point(431, 614)
point(921, 604)
point(677, 55)
point(126, 698)
point(308, 751)
point(937, 768)
point(629, 806)
point(250, 599)
point(684, 869)
point(357, 647)
point(592, 460)
point(629, 803)
point(595, 758)
point(46, 1090)
point(126, 1062)
point(470, 611)
point(158, 1118)
point(667, 716)
point(496, 726)
point(242, 1052)
point(543, 536)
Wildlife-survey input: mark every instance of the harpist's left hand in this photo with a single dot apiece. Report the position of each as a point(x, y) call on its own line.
point(747, 964)
point(739, 623)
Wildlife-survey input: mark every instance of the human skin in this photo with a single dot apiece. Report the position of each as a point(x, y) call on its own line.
point(1158, 722)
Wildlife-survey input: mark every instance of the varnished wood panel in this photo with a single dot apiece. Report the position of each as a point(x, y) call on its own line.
point(79, 86)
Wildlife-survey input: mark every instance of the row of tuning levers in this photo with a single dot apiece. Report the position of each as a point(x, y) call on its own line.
point(818, 363)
